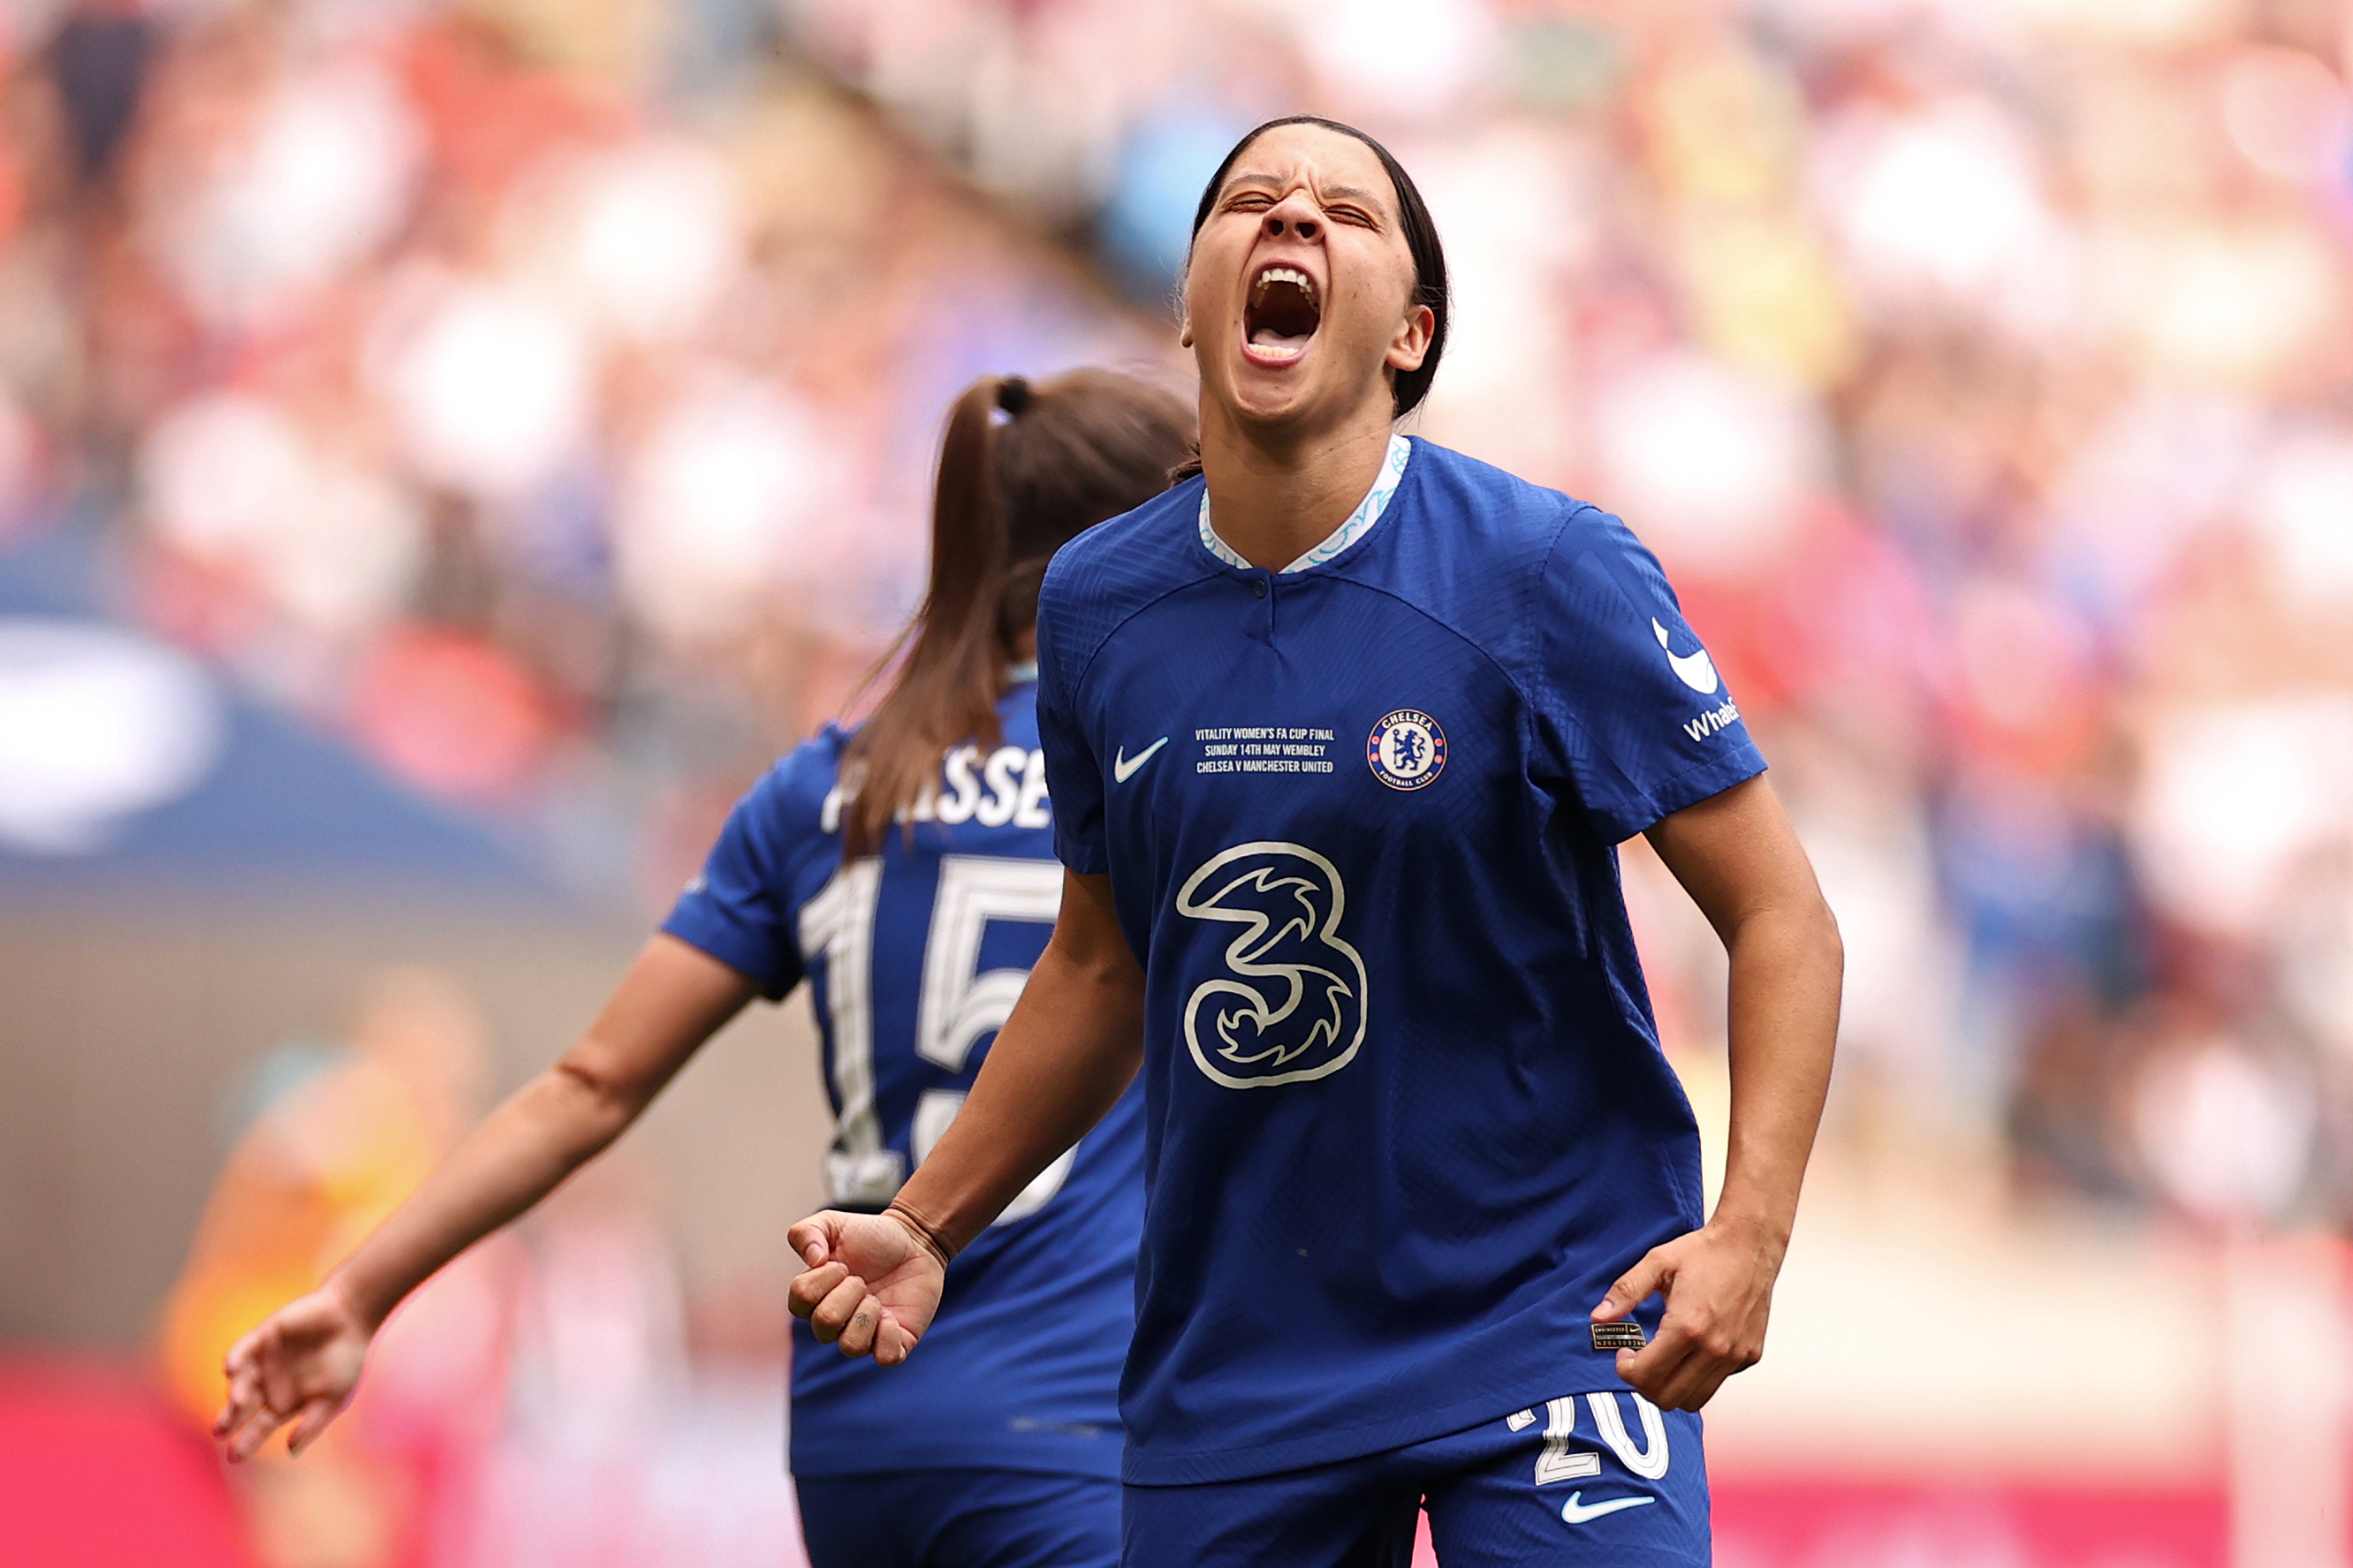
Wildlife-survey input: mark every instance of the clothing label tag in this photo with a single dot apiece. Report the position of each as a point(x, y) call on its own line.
point(1618, 1337)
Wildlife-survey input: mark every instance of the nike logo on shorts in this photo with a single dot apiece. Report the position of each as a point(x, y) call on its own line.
point(1573, 1512)
point(1122, 766)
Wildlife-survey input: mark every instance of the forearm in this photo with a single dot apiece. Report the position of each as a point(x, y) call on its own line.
point(537, 1137)
point(1070, 1050)
point(673, 999)
point(1783, 1017)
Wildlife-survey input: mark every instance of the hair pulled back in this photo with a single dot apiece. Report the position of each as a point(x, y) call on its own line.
point(1024, 467)
point(1420, 231)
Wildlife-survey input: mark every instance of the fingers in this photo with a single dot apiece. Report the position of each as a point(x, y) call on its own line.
point(242, 1367)
point(849, 1315)
point(312, 1421)
point(893, 1341)
point(1714, 1357)
point(240, 1355)
point(1704, 1389)
point(278, 1375)
point(865, 1320)
point(1650, 1371)
point(855, 1264)
point(243, 1399)
point(810, 1289)
point(1635, 1286)
point(246, 1438)
point(1682, 1368)
point(812, 1240)
point(832, 1313)
point(854, 1318)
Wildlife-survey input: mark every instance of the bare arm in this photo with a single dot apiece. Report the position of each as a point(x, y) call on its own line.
point(1737, 857)
point(305, 1360)
point(1064, 1059)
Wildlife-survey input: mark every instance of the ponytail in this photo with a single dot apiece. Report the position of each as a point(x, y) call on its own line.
point(1067, 453)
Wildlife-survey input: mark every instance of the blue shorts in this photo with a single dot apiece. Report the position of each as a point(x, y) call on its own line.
point(1595, 1480)
point(959, 1519)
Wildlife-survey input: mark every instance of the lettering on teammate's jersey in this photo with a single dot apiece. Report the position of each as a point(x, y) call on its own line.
point(1007, 785)
point(1711, 723)
point(1407, 750)
point(1291, 1005)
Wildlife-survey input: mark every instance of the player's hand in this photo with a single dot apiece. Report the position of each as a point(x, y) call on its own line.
point(871, 1284)
point(300, 1365)
point(1719, 1287)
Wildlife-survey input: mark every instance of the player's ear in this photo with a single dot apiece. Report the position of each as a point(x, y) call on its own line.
point(1410, 346)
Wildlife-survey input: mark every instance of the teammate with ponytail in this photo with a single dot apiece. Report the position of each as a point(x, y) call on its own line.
point(906, 871)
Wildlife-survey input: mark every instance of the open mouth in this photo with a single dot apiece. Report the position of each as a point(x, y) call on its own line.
point(1282, 315)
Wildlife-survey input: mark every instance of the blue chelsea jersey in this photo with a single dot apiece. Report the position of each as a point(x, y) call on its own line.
point(916, 958)
point(1407, 1115)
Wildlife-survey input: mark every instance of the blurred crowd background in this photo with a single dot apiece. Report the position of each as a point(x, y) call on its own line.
point(447, 449)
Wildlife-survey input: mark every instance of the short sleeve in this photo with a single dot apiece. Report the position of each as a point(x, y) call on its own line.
point(738, 908)
point(1072, 770)
point(1632, 710)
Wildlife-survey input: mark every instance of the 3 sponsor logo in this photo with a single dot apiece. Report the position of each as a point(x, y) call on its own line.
point(1290, 1004)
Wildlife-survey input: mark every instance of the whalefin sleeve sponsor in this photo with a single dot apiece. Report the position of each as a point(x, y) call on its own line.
point(1635, 716)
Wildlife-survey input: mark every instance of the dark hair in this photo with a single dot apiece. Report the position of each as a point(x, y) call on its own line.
point(1420, 239)
point(1071, 451)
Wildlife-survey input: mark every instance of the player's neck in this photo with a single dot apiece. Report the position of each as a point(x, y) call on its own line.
point(1274, 495)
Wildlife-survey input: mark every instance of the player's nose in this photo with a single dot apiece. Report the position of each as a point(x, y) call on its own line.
point(1294, 215)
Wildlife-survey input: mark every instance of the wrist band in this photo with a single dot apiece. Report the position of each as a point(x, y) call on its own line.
point(924, 1231)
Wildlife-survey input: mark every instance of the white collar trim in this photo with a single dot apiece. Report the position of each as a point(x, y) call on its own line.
point(1360, 521)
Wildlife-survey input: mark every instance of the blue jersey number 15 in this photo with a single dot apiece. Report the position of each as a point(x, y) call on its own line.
point(956, 1003)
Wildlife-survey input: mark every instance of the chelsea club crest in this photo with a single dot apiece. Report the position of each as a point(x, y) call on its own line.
point(1407, 750)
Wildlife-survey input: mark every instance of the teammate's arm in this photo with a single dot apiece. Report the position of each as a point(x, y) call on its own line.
point(1737, 857)
point(1064, 1059)
point(303, 1362)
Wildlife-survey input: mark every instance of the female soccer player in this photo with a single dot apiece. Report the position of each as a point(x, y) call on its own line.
point(906, 870)
point(1343, 737)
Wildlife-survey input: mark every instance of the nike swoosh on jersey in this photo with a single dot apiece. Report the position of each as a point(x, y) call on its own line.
point(1576, 1513)
point(1122, 766)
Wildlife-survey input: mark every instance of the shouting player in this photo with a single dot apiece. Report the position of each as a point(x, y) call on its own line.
point(906, 870)
point(1343, 737)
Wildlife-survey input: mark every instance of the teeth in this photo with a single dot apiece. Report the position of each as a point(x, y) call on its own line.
point(1283, 275)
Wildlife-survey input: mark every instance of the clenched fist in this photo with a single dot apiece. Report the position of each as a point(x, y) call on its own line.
point(872, 1283)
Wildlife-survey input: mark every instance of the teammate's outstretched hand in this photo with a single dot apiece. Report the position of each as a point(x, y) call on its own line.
point(300, 1365)
point(1719, 1287)
point(870, 1286)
